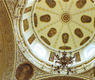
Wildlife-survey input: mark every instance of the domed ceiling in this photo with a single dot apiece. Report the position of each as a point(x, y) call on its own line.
point(64, 25)
point(46, 29)
point(56, 36)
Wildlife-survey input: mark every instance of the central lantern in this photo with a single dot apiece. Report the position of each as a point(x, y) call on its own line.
point(64, 25)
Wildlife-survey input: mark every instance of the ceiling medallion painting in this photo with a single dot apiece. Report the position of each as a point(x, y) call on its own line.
point(57, 36)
